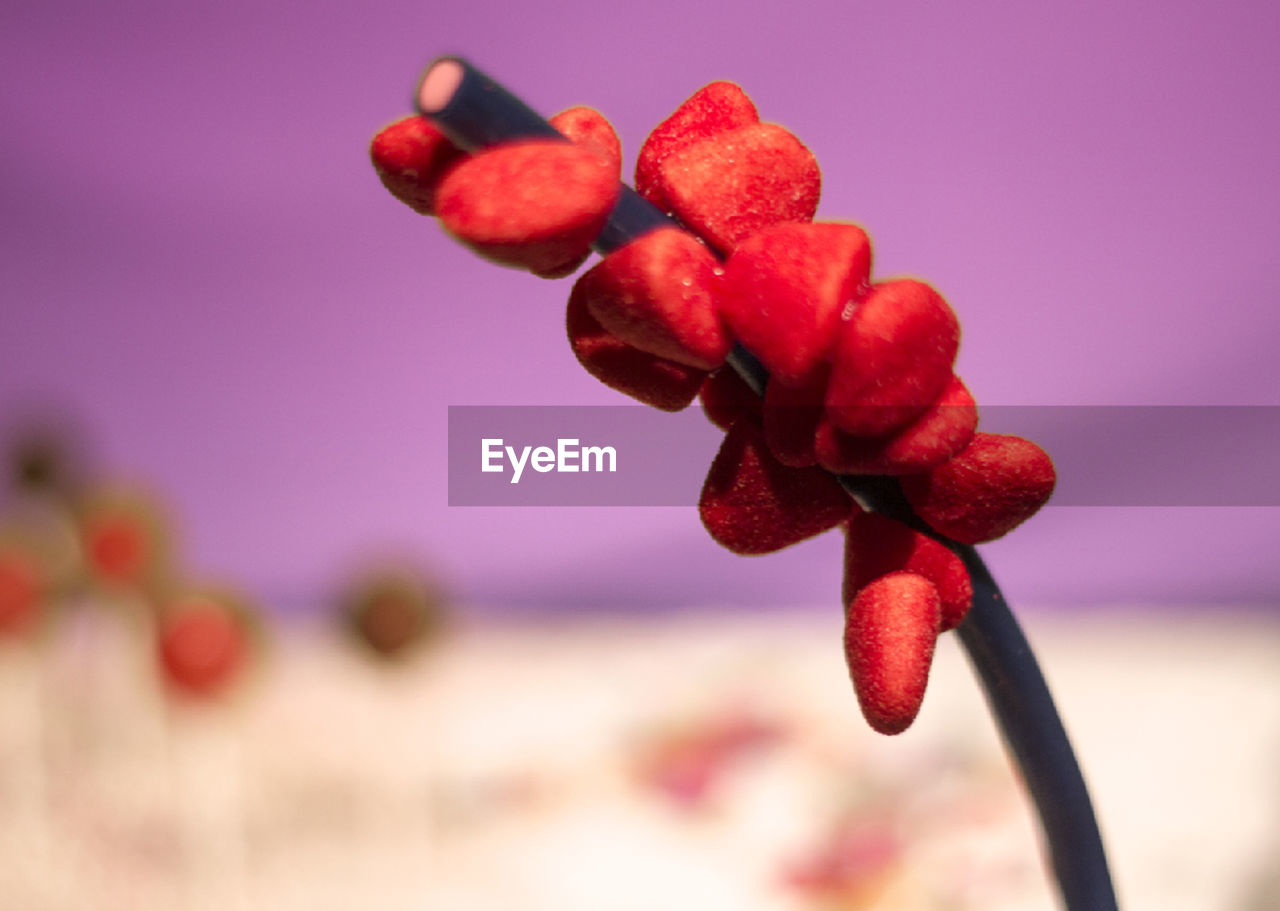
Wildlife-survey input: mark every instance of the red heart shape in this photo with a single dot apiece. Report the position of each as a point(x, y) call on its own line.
point(653, 380)
point(892, 359)
point(730, 186)
point(935, 436)
point(713, 109)
point(784, 289)
point(991, 487)
point(535, 205)
point(657, 294)
point(753, 504)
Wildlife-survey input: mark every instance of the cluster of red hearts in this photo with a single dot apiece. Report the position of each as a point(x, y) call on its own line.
point(861, 377)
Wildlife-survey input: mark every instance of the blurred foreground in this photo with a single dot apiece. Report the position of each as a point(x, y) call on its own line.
point(704, 761)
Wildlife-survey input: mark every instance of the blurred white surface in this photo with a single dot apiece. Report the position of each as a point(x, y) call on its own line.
point(702, 761)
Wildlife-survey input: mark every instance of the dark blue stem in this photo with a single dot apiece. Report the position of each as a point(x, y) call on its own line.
point(483, 113)
point(1019, 698)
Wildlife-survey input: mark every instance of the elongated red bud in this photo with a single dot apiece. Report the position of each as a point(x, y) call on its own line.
point(890, 631)
point(876, 546)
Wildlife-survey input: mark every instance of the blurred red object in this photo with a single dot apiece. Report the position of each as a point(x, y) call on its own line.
point(685, 765)
point(202, 644)
point(126, 538)
point(22, 589)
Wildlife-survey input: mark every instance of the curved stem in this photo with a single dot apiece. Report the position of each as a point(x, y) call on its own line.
point(1032, 730)
point(481, 113)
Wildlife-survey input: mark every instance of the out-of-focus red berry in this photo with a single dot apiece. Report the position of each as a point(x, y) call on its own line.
point(202, 645)
point(117, 548)
point(21, 591)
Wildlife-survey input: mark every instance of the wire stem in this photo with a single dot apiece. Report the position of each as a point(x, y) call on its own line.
point(1032, 730)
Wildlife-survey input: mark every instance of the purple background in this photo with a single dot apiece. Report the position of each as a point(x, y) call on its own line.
point(197, 258)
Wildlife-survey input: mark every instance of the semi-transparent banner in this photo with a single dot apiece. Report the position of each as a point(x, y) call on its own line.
point(628, 455)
